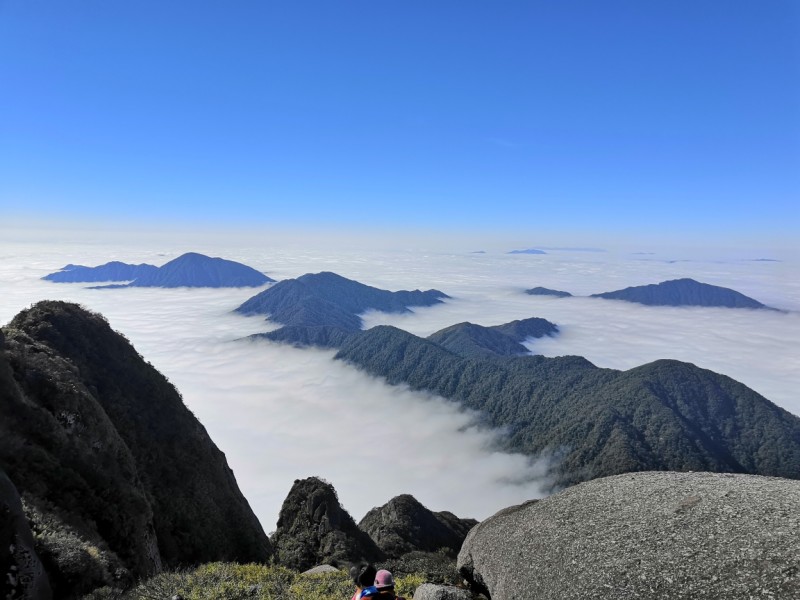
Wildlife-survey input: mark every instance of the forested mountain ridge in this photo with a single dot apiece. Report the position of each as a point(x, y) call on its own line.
point(666, 415)
point(113, 467)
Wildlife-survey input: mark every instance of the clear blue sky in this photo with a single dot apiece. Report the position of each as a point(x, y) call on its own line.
point(645, 115)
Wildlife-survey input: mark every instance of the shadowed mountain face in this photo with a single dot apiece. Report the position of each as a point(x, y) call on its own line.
point(665, 415)
point(111, 271)
point(683, 292)
point(110, 463)
point(330, 300)
point(21, 572)
point(404, 525)
point(467, 339)
point(314, 529)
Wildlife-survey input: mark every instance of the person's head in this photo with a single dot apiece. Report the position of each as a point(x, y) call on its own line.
point(384, 580)
point(363, 575)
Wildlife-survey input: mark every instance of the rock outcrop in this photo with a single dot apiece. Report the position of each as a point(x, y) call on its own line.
point(314, 529)
point(22, 575)
point(404, 525)
point(646, 535)
point(429, 591)
point(117, 476)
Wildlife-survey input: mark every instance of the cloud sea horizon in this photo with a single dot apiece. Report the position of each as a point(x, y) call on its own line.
point(280, 413)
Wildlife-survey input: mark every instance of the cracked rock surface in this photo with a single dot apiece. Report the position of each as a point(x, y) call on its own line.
point(699, 536)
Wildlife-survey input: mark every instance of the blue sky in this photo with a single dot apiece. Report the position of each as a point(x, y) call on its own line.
point(617, 116)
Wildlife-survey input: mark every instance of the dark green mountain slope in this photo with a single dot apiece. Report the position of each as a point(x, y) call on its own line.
point(330, 300)
point(665, 415)
point(683, 292)
point(112, 465)
point(468, 339)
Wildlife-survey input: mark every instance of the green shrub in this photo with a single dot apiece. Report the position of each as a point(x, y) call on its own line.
point(230, 581)
point(322, 586)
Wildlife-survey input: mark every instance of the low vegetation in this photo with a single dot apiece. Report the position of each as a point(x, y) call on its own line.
point(230, 581)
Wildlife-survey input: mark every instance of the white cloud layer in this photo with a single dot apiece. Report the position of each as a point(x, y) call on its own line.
point(281, 413)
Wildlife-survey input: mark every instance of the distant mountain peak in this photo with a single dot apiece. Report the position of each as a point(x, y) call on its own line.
point(191, 269)
point(543, 291)
point(528, 251)
point(330, 300)
point(683, 292)
point(110, 271)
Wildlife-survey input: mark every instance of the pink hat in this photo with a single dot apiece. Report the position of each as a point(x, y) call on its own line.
point(384, 579)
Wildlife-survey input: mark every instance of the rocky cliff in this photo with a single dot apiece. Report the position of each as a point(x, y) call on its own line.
point(118, 477)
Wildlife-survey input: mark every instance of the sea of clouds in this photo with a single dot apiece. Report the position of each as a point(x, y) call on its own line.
point(281, 413)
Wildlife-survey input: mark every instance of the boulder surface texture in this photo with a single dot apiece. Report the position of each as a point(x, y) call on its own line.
point(659, 535)
point(429, 591)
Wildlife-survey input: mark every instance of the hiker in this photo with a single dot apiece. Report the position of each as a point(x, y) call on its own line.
point(384, 582)
point(363, 575)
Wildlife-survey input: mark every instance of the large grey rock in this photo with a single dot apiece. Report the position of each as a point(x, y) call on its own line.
point(658, 535)
point(429, 591)
point(21, 572)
